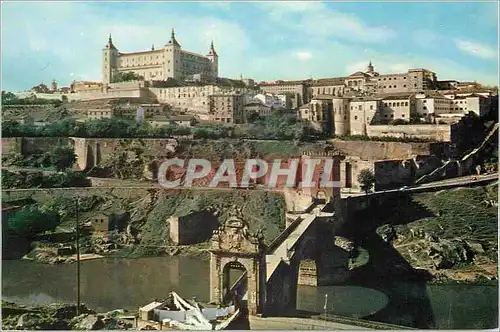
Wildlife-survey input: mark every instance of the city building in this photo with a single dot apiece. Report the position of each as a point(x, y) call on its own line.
point(399, 106)
point(257, 108)
point(184, 120)
point(171, 61)
point(326, 86)
point(102, 113)
point(341, 116)
point(226, 108)
point(296, 90)
point(274, 101)
point(151, 110)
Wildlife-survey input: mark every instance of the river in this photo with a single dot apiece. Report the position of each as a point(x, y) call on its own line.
point(129, 283)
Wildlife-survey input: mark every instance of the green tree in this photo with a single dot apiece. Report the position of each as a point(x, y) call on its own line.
point(8, 98)
point(31, 220)
point(62, 157)
point(366, 179)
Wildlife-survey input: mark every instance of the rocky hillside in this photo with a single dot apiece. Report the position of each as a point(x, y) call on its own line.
point(60, 317)
point(454, 235)
point(147, 232)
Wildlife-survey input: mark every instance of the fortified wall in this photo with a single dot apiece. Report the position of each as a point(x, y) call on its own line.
point(393, 163)
point(31, 145)
point(437, 132)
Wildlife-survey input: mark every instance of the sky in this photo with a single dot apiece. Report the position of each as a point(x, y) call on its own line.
point(42, 41)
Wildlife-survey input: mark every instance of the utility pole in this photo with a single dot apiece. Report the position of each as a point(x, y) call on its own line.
point(325, 308)
point(77, 259)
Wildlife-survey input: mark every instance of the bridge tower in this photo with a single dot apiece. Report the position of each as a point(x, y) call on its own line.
point(233, 247)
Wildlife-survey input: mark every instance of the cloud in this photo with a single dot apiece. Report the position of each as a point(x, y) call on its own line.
point(70, 37)
point(303, 56)
point(317, 20)
point(476, 49)
point(64, 40)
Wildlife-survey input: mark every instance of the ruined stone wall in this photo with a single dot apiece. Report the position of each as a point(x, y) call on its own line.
point(32, 145)
point(377, 157)
point(356, 165)
point(93, 150)
point(12, 145)
point(193, 228)
point(372, 150)
point(440, 133)
point(390, 174)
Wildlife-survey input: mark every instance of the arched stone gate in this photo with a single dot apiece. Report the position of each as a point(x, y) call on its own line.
point(231, 243)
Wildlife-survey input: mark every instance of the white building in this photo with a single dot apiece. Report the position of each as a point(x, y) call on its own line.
point(278, 101)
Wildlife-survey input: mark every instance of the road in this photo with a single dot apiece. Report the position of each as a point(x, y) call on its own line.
point(295, 323)
point(464, 180)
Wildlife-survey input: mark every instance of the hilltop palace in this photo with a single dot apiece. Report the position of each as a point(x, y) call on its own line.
point(171, 61)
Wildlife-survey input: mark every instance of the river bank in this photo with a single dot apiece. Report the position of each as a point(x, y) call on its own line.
point(59, 316)
point(108, 283)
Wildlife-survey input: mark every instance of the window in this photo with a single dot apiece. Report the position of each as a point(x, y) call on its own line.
point(385, 104)
point(371, 107)
point(389, 78)
point(404, 86)
point(406, 103)
point(392, 115)
point(402, 115)
point(360, 107)
point(425, 101)
point(425, 107)
point(355, 117)
point(385, 116)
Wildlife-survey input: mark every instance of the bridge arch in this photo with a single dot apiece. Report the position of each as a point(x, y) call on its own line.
point(234, 248)
point(234, 281)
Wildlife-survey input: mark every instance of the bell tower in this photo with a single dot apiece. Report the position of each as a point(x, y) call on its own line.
point(109, 61)
point(214, 59)
point(173, 62)
point(370, 68)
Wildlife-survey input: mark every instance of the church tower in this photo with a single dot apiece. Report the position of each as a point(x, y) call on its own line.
point(173, 62)
point(370, 69)
point(214, 58)
point(109, 61)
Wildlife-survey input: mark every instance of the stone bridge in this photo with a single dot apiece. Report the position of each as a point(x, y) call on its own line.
point(268, 275)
